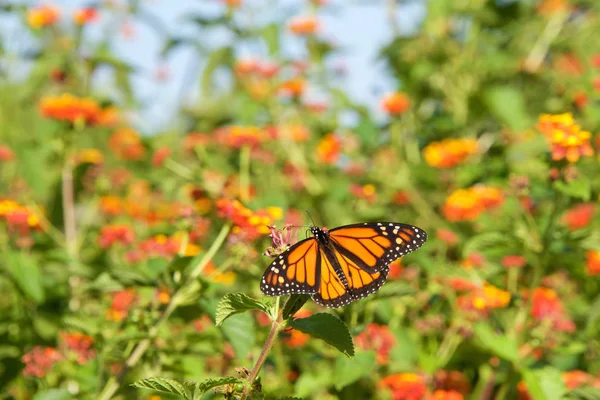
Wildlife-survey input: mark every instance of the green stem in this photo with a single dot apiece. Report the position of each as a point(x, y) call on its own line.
point(245, 173)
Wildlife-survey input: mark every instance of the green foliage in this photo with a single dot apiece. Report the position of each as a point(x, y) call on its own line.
point(544, 384)
point(328, 328)
point(235, 303)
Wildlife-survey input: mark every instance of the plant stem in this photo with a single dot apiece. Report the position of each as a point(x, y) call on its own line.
point(276, 325)
point(68, 204)
point(542, 45)
point(245, 173)
point(114, 382)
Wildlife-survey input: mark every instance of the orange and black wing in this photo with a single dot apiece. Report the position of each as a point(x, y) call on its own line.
point(364, 253)
point(297, 270)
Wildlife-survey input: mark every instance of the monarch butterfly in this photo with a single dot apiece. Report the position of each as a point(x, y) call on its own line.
point(341, 265)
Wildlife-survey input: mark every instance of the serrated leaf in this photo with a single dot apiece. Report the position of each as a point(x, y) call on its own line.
point(580, 188)
point(544, 384)
point(207, 384)
point(240, 332)
point(294, 304)
point(348, 370)
point(328, 328)
point(235, 303)
point(164, 385)
point(583, 393)
point(500, 345)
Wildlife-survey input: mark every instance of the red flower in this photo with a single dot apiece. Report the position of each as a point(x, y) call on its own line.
point(85, 15)
point(395, 269)
point(546, 305)
point(577, 378)
point(329, 148)
point(80, 344)
point(395, 103)
point(39, 361)
point(295, 338)
point(378, 338)
point(122, 301)
point(6, 154)
point(112, 234)
point(401, 198)
point(579, 216)
point(513, 261)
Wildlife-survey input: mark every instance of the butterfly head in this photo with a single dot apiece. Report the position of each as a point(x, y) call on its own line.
point(320, 234)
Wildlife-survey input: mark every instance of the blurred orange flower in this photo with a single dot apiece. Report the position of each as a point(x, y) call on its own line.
point(378, 338)
point(449, 152)
point(126, 144)
point(42, 16)
point(67, 107)
point(468, 204)
point(85, 15)
point(6, 153)
point(366, 192)
point(329, 148)
point(565, 136)
point(111, 205)
point(546, 305)
point(295, 338)
point(293, 87)
point(79, 344)
point(446, 395)
point(405, 386)
point(304, 25)
point(122, 301)
point(395, 103)
point(592, 263)
point(579, 216)
point(89, 156)
point(484, 299)
point(549, 7)
point(237, 136)
point(576, 378)
point(112, 234)
point(232, 3)
point(160, 155)
point(396, 269)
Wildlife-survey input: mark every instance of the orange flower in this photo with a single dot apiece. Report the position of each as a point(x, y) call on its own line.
point(122, 301)
point(328, 149)
point(522, 391)
point(295, 338)
point(395, 103)
point(579, 216)
point(577, 378)
point(67, 107)
point(237, 136)
point(566, 138)
point(85, 15)
point(297, 133)
point(160, 155)
point(484, 299)
point(232, 3)
point(449, 152)
point(452, 381)
point(468, 204)
point(401, 198)
point(89, 156)
point(163, 295)
point(405, 386)
point(293, 87)
point(248, 224)
point(395, 269)
point(546, 305)
point(226, 278)
point(112, 234)
point(473, 260)
point(378, 338)
point(592, 262)
point(446, 395)
point(304, 25)
point(111, 205)
point(127, 144)
point(42, 16)
point(549, 7)
point(39, 361)
point(79, 344)
point(366, 192)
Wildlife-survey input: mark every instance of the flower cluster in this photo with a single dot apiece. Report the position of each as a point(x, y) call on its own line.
point(567, 139)
point(20, 219)
point(247, 223)
point(237, 136)
point(484, 299)
point(80, 345)
point(366, 192)
point(395, 103)
point(39, 361)
point(73, 109)
point(126, 144)
point(468, 204)
point(113, 234)
point(378, 338)
point(449, 153)
point(329, 149)
point(405, 386)
point(122, 301)
point(547, 306)
point(592, 263)
point(42, 16)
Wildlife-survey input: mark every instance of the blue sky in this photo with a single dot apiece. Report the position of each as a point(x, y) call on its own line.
point(359, 28)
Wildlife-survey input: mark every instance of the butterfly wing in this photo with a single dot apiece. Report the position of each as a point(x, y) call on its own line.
point(296, 270)
point(364, 253)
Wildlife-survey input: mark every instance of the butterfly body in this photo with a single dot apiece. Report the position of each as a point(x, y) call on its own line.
point(343, 264)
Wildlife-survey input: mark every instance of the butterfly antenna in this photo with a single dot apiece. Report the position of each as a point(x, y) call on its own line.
point(311, 219)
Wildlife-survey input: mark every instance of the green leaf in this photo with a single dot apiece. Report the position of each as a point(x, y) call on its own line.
point(222, 56)
point(25, 271)
point(544, 384)
point(207, 384)
point(579, 188)
point(486, 240)
point(349, 370)
point(235, 303)
point(500, 345)
point(328, 328)
point(53, 394)
point(270, 34)
point(583, 393)
point(294, 304)
point(508, 105)
point(165, 386)
point(240, 332)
